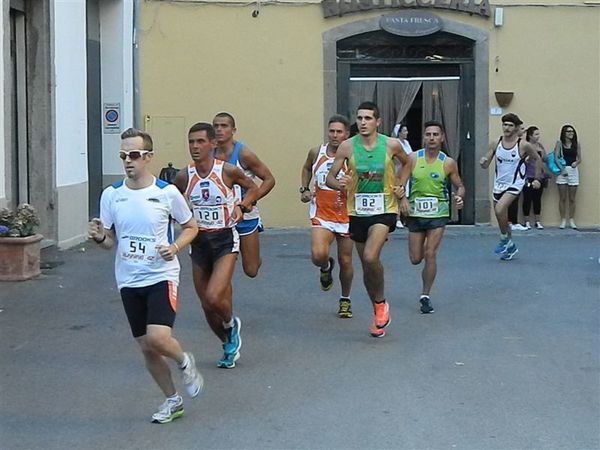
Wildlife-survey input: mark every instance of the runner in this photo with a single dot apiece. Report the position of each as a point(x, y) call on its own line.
point(135, 215)
point(509, 177)
point(207, 183)
point(328, 214)
point(427, 206)
point(372, 200)
point(236, 153)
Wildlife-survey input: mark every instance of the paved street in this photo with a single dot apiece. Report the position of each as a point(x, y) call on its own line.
point(509, 360)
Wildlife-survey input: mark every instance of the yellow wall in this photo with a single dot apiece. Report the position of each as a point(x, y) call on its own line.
point(199, 59)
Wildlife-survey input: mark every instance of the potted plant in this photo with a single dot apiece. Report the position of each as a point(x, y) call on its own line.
point(19, 243)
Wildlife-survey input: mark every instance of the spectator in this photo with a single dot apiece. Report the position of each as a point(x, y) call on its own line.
point(567, 147)
point(531, 195)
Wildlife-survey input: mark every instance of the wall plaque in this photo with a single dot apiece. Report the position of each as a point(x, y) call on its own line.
point(411, 23)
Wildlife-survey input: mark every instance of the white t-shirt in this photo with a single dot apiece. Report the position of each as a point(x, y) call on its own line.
point(141, 219)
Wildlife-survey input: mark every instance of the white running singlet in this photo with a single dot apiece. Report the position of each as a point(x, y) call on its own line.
point(510, 170)
point(141, 219)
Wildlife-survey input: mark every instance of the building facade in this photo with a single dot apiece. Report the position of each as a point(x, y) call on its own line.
point(283, 67)
point(67, 90)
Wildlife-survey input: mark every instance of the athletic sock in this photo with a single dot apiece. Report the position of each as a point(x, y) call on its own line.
point(229, 324)
point(424, 295)
point(326, 268)
point(174, 398)
point(503, 236)
point(382, 301)
point(186, 361)
point(344, 298)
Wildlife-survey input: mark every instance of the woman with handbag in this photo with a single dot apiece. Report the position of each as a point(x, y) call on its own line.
point(567, 154)
point(531, 195)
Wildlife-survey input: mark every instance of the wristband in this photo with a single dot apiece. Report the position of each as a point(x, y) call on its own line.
point(101, 240)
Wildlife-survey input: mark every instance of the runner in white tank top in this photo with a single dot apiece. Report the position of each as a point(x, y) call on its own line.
point(208, 186)
point(509, 153)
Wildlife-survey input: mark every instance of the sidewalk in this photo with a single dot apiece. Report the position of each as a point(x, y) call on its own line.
point(509, 359)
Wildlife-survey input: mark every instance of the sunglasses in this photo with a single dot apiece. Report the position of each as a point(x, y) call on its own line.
point(569, 131)
point(133, 154)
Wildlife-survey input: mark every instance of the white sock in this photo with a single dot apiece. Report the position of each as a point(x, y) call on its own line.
point(424, 295)
point(186, 361)
point(229, 324)
point(175, 398)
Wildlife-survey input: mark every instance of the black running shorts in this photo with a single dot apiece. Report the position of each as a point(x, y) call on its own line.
point(359, 225)
point(422, 224)
point(207, 248)
point(150, 305)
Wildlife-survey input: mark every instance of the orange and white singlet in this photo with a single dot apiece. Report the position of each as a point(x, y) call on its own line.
point(211, 200)
point(328, 206)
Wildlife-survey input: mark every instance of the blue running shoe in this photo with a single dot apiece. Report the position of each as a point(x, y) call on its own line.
point(502, 246)
point(510, 252)
point(228, 361)
point(235, 340)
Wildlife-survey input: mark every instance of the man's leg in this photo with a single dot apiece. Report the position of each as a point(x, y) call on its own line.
point(369, 253)
point(250, 250)
point(153, 344)
point(344, 254)
point(432, 244)
point(320, 241)
point(201, 279)
point(501, 211)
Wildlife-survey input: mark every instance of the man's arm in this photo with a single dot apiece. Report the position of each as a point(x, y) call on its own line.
point(343, 153)
point(103, 237)
point(398, 153)
point(233, 175)
point(181, 180)
point(451, 169)
point(251, 162)
point(306, 174)
point(486, 160)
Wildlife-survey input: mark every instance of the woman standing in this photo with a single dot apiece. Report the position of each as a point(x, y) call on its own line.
point(568, 148)
point(401, 133)
point(531, 195)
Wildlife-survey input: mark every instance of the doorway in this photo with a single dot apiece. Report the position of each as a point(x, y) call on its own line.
point(413, 80)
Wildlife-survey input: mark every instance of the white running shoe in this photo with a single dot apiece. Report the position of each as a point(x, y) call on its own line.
point(563, 224)
point(539, 225)
point(518, 227)
point(572, 224)
point(527, 225)
point(169, 411)
point(192, 379)
point(399, 224)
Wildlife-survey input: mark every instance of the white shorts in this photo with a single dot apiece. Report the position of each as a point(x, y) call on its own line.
point(334, 227)
point(571, 178)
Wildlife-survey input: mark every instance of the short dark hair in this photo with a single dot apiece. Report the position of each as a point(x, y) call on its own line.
point(338, 118)
point(512, 118)
point(226, 114)
point(433, 123)
point(203, 126)
point(370, 106)
point(134, 132)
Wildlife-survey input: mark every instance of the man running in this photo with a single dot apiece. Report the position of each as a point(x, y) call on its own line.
point(208, 183)
point(372, 199)
point(509, 177)
point(328, 213)
point(135, 215)
point(236, 153)
point(427, 208)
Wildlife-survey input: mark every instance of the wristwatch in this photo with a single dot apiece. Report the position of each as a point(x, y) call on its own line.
point(303, 189)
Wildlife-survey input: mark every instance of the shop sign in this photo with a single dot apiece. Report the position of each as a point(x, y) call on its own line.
point(411, 23)
point(339, 8)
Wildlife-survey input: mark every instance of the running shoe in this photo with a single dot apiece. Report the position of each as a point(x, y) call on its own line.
point(228, 360)
point(192, 379)
point(518, 227)
point(169, 411)
point(345, 311)
point(235, 339)
point(510, 252)
point(399, 224)
point(539, 225)
point(376, 332)
point(527, 226)
point(502, 245)
point(572, 224)
point(563, 223)
point(426, 307)
point(326, 276)
point(382, 314)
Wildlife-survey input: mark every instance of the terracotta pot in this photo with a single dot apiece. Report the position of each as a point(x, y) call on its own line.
point(20, 257)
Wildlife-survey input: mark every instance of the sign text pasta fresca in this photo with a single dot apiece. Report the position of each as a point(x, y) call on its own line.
point(339, 8)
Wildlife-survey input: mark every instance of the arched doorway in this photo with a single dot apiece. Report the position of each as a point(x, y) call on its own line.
point(442, 76)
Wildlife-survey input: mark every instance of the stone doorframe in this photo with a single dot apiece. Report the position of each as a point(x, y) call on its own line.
point(481, 67)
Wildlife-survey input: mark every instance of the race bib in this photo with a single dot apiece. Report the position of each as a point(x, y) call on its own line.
point(369, 204)
point(140, 249)
point(210, 217)
point(426, 205)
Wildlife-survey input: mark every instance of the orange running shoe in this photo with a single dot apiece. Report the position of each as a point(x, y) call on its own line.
point(382, 314)
point(376, 332)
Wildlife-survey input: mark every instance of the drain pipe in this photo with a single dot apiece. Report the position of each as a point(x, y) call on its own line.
point(136, 66)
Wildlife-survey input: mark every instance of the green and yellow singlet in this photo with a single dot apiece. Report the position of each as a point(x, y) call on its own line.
point(371, 191)
point(428, 188)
